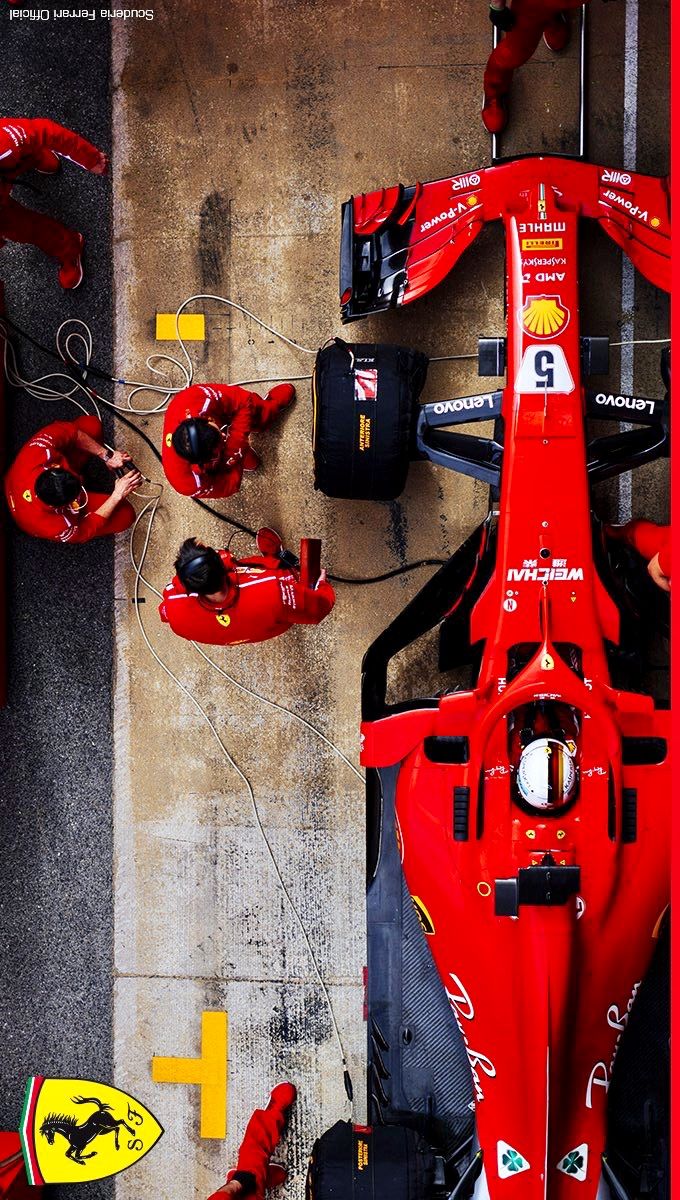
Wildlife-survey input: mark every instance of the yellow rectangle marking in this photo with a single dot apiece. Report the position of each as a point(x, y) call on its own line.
point(191, 327)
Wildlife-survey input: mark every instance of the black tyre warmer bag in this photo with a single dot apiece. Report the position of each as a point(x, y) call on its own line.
point(364, 402)
point(385, 1162)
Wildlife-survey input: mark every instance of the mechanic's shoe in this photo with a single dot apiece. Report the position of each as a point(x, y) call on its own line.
point(71, 271)
point(495, 113)
point(556, 34)
point(276, 1175)
point(284, 1094)
point(102, 166)
point(251, 460)
point(282, 395)
point(268, 541)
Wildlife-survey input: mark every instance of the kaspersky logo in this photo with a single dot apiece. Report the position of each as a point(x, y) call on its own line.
point(544, 316)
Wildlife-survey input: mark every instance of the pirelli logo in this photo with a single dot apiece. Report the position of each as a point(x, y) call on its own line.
point(543, 243)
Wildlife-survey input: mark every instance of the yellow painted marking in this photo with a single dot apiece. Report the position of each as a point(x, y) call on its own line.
point(561, 833)
point(209, 1073)
point(191, 327)
point(531, 833)
point(484, 888)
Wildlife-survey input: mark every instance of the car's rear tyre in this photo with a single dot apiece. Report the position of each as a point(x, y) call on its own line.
point(364, 400)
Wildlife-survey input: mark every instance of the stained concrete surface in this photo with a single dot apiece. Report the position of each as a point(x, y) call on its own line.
point(56, 927)
point(239, 131)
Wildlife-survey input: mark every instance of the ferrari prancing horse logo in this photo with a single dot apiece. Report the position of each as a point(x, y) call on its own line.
point(74, 1130)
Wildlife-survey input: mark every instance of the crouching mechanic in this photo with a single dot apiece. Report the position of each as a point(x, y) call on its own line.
point(653, 543)
point(39, 143)
point(254, 1172)
point(46, 492)
point(206, 436)
point(524, 24)
point(223, 601)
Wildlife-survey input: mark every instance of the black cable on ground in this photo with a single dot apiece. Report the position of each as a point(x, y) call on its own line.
point(90, 369)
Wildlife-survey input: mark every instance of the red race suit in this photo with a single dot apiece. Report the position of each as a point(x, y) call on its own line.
point(56, 446)
point(243, 412)
point(532, 19)
point(649, 539)
point(262, 1136)
point(265, 600)
point(39, 143)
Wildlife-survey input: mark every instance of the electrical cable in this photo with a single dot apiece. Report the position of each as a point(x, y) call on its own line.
point(643, 342)
point(38, 390)
point(81, 334)
point(138, 566)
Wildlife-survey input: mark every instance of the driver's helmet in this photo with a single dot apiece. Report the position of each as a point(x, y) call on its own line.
point(546, 773)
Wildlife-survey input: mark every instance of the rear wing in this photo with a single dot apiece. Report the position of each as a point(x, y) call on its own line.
point(400, 242)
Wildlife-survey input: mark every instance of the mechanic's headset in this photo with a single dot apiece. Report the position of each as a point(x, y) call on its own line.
point(203, 559)
point(193, 428)
point(192, 434)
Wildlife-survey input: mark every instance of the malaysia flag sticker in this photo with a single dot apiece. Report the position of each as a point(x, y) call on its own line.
point(366, 384)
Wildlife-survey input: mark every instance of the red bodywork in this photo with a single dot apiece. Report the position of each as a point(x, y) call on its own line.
point(542, 998)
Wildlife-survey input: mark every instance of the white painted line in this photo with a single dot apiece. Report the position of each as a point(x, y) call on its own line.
point(630, 98)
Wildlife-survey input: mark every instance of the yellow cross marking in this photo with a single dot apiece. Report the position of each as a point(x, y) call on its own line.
point(209, 1073)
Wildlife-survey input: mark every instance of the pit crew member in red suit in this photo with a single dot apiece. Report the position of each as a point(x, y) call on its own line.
point(254, 1173)
point(221, 601)
point(653, 543)
point(524, 24)
point(206, 436)
point(45, 490)
point(38, 143)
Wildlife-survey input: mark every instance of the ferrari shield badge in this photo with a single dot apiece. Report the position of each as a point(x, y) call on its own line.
point(74, 1130)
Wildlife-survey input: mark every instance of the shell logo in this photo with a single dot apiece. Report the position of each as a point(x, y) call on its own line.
point(544, 316)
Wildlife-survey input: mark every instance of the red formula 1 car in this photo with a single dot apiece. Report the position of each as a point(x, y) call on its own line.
point(528, 812)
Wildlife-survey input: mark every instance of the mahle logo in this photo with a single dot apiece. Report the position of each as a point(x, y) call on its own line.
point(74, 1130)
